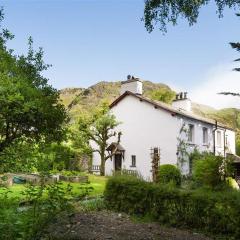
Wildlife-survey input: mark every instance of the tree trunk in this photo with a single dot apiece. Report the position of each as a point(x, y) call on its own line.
point(102, 167)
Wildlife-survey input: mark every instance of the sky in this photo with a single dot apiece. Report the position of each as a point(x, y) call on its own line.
point(88, 41)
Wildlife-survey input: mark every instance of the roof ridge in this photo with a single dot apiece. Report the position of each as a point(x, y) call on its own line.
point(170, 108)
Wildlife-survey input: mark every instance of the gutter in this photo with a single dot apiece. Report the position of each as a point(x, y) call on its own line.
point(214, 137)
point(224, 150)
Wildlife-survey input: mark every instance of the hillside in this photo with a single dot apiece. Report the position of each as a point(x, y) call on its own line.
point(78, 100)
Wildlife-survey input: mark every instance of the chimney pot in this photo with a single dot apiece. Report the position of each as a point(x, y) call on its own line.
point(129, 77)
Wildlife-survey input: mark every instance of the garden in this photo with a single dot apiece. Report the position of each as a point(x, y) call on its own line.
point(206, 202)
point(26, 209)
point(47, 191)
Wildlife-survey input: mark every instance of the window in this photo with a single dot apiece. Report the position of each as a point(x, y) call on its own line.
point(190, 165)
point(190, 133)
point(205, 135)
point(133, 161)
point(219, 139)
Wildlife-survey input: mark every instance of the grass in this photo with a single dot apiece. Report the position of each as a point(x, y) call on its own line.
point(97, 182)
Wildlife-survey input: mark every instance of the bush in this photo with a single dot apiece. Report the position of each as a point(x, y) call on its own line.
point(169, 173)
point(210, 170)
point(26, 220)
point(213, 212)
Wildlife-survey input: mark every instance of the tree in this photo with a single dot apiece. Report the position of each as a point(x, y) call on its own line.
point(99, 129)
point(236, 46)
point(169, 11)
point(29, 106)
point(164, 95)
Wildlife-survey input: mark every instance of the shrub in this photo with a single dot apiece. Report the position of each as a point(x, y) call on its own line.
point(169, 173)
point(118, 188)
point(125, 172)
point(213, 212)
point(210, 170)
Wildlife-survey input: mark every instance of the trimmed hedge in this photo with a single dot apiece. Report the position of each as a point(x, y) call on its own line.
point(213, 212)
point(169, 173)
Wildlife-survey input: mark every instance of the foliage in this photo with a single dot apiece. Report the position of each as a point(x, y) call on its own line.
point(29, 106)
point(136, 198)
point(27, 222)
point(32, 157)
point(99, 128)
point(213, 212)
point(70, 173)
point(163, 94)
point(95, 204)
point(98, 184)
point(163, 12)
point(238, 145)
point(169, 173)
point(211, 171)
point(232, 183)
point(26, 216)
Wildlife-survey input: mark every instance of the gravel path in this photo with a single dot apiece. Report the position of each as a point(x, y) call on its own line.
point(112, 226)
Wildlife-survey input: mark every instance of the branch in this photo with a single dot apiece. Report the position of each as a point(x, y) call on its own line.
point(92, 137)
point(116, 147)
point(96, 150)
point(230, 93)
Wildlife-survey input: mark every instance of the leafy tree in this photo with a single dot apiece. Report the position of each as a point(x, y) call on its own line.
point(163, 94)
point(169, 11)
point(29, 106)
point(99, 129)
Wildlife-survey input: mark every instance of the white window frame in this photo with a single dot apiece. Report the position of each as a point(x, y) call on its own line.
point(219, 138)
point(133, 158)
point(205, 136)
point(191, 130)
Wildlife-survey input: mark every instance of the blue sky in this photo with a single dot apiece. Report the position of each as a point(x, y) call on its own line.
point(92, 40)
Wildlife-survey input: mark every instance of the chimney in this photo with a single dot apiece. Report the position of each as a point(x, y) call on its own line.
point(182, 102)
point(132, 84)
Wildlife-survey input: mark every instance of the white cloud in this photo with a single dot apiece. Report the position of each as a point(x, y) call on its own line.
point(218, 79)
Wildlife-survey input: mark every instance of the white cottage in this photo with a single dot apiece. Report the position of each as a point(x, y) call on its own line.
point(148, 125)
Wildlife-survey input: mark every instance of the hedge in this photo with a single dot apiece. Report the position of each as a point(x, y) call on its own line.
point(213, 212)
point(169, 173)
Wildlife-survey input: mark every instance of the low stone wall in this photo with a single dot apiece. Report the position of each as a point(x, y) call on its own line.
point(6, 180)
point(34, 178)
point(74, 179)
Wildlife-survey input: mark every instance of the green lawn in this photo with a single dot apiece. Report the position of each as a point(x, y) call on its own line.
point(97, 182)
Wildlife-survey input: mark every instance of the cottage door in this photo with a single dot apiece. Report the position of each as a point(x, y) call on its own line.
point(118, 162)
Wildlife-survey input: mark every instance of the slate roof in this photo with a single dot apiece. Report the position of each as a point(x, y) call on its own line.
point(168, 108)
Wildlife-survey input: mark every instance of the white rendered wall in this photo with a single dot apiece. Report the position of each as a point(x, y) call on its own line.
point(144, 127)
point(133, 86)
point(184, 104)
point(230, 142)
point(197, 142)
